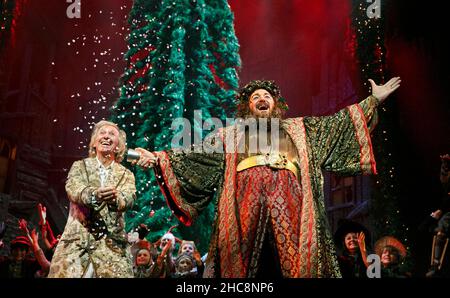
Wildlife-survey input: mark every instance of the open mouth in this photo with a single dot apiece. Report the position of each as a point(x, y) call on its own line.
point(106, 142)
point(262, 105)
point(353, 244)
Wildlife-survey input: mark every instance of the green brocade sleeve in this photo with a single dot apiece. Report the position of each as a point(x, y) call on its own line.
point(189, 180)
point(369, 108)
point(341, 142)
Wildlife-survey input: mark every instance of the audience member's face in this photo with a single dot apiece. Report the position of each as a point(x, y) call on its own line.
point(143, 257)
point(261, 103)
point(164, 241)
point(187, 248)
point(351, 242)
point(185, 265)
point(19, 253)
point(107, 140)
point(388, 257)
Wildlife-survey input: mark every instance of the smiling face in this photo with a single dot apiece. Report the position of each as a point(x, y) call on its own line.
point(351, 242)
point(389, 256)
point(185, 265)
point(143, 257)
point(261, 103)
point(106, 140)
point(187, 248)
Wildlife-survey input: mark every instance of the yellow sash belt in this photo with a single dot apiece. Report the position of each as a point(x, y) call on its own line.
point(275, 161)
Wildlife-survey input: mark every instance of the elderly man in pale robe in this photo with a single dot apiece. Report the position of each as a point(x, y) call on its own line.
point(271, 219)
point(100, 190)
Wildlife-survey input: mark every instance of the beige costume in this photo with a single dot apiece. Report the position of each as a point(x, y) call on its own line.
point(94, 242)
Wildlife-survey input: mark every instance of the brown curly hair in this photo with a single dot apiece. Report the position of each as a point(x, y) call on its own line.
point(244, 93)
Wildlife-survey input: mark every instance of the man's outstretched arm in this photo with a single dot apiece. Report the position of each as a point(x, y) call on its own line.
point(187, 179)
point(378, 96)
point(341, 142)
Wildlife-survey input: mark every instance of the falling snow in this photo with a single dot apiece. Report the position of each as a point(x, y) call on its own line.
point(99, 59)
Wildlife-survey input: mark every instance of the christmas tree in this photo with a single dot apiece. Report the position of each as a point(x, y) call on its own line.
point(182, 57)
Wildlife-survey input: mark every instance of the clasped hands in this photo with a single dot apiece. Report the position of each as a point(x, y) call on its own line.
point(106, 194)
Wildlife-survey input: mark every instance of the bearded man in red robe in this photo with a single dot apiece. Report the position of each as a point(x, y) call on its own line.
point(270, 214)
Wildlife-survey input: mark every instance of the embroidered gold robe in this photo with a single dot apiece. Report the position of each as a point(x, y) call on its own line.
point(94, 232)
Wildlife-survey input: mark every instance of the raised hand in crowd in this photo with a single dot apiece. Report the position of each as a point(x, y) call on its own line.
point(47, 234)
point(362, 247)
point(23, 225)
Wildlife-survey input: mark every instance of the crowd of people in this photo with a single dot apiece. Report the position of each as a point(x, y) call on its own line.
point(150, 260)
point(351, 238)
point(27, 259)
point(159, 260)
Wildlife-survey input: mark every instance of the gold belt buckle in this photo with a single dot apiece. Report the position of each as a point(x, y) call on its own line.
point(276, 161)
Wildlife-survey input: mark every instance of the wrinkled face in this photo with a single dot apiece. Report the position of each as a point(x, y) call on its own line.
point(187, 249)
point(351, 242)
point(19, 253)
point(143, 257)
point(106, 140)
point(185, 265)
point(388, 257)
point(261, 103)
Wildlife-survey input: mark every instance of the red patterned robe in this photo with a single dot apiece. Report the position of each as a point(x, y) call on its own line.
point(261, 200)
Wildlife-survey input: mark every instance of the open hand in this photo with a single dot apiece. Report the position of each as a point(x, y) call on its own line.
point(166, 250)
point(362, 242)
point(383, 91)
point(197, 257)
point(34, 236)
point(23, 225)
point(42, 214)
